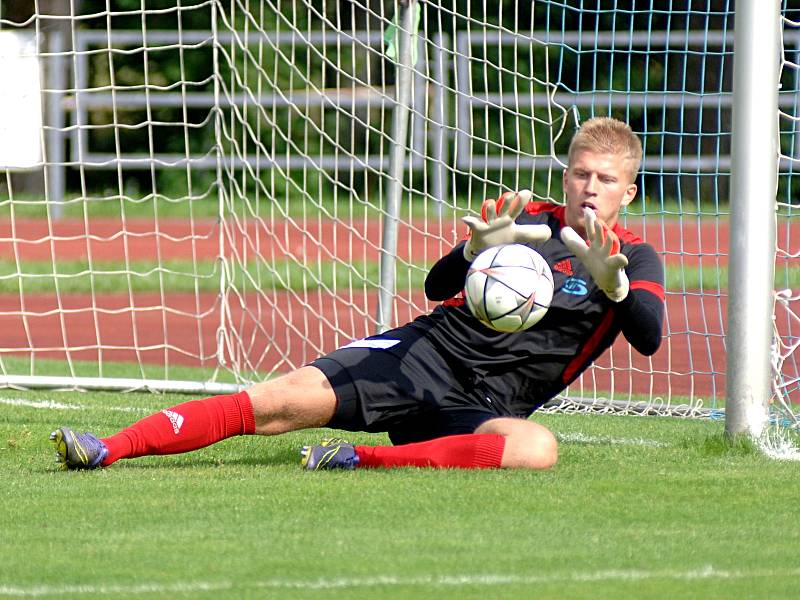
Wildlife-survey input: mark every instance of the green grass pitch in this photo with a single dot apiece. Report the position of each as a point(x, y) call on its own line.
point(638, 507)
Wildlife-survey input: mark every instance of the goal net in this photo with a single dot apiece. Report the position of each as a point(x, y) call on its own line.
point(218, 192)
point(784, 418)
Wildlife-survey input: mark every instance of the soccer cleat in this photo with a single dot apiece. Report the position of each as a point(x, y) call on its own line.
point(77, 450)
point(332, 453)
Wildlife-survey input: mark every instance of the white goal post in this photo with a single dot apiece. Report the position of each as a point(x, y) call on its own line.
point(228, 189)
point(754, 183)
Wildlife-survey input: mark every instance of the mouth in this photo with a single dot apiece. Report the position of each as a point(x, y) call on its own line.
point(589, 205)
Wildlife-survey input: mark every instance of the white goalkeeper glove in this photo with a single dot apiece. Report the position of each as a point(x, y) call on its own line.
point(500, 228)
point(601, 257)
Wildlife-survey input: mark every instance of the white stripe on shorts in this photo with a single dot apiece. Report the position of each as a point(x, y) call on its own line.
point(379, 344)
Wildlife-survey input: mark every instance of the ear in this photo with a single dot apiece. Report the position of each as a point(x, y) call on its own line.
point(630, 194)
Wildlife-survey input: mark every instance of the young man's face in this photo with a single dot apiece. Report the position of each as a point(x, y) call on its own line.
point(600, 181)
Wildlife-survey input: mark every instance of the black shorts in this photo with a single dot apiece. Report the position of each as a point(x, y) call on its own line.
point(399, 383)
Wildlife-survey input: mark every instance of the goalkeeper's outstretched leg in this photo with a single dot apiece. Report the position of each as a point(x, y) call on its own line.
point(298, 400)
point(304, 399)
point(498, 443)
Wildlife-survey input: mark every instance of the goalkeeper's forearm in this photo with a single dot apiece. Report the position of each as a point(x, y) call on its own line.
point(446, 277)
point(642, 317)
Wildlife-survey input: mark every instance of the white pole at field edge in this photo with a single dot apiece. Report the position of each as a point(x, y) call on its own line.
point(754, 181)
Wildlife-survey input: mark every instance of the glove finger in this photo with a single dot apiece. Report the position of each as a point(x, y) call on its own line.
point(505, 197)
point(607, 242)
point(489, 210)
point(511, 206)
point(520, 199)
point(615, 244)
point(590, 225)
point(589, 217)
point(474, 223)
point(601, 233)
point(532, 233)
point(573, 241)
point(499, 206)
point(525, 195)
point(617, 261)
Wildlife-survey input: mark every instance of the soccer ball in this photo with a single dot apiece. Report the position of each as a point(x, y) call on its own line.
point(509, 288)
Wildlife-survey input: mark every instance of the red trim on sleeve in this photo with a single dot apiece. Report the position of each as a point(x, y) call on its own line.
point(649, 286)
point(454, 301)
point(589, 347)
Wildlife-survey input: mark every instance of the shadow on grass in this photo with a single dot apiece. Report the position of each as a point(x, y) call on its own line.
point(189, 460)
point(269, 458)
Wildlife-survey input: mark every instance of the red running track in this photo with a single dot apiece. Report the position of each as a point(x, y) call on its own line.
point(686, 241)
point(689, 363)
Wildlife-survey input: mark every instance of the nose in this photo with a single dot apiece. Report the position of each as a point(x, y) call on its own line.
point(591, 184)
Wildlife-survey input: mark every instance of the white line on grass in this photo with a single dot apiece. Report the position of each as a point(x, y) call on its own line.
point(52, 405)
point(488, 580)
point(582, 438)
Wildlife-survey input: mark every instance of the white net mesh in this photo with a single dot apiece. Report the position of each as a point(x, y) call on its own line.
point(782, 437)
point(214, 178)
point(497, 92)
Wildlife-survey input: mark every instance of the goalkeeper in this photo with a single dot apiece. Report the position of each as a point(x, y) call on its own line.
point(449, 391)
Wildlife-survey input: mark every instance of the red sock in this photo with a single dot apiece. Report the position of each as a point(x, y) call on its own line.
point(469, 451)
point(184, 427)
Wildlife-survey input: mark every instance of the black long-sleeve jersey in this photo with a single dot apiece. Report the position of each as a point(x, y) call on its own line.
point(533, 366)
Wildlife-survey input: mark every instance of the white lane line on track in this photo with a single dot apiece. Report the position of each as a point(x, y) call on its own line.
point(487, 580)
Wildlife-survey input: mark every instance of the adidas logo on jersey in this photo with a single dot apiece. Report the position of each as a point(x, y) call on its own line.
point(564, 266)
point(175, 419)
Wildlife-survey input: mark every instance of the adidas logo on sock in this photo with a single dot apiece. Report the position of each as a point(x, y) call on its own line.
point(175, 419)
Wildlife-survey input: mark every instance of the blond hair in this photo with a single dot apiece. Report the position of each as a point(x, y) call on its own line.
point(606, 135)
